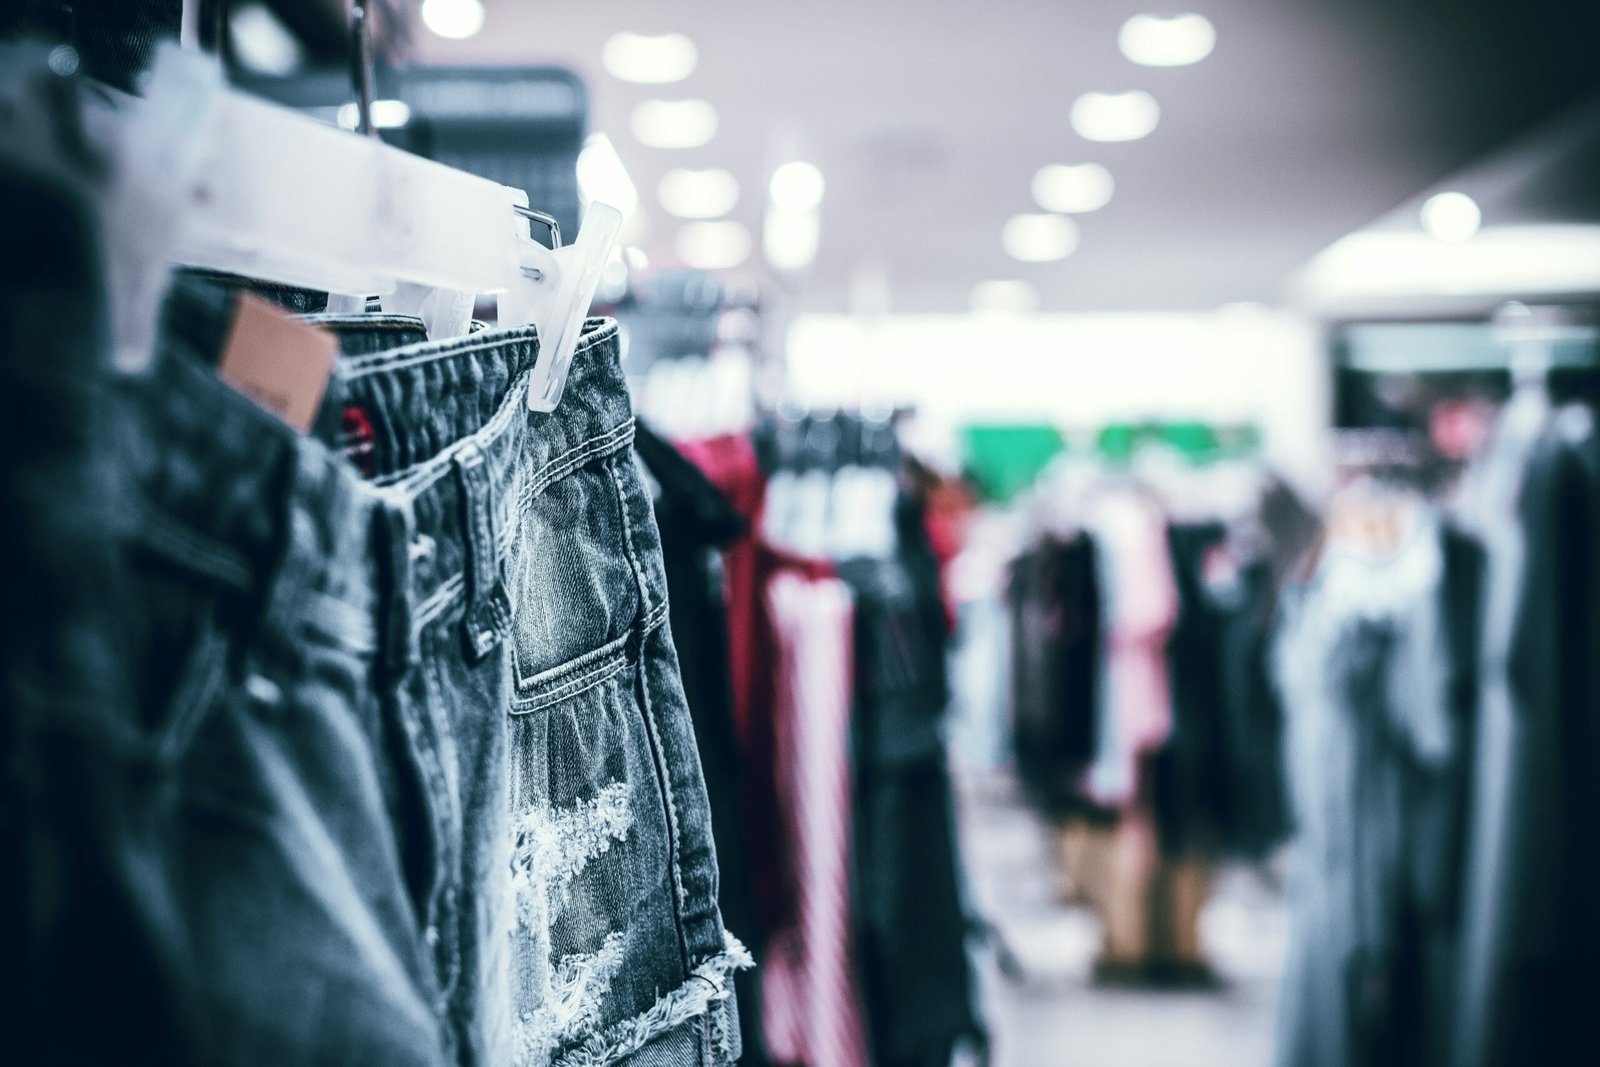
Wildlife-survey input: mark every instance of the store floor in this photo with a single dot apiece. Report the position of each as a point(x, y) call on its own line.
point(1050, 1015)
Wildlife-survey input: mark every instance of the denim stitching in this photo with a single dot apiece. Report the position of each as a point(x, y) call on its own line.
point(420, 477)
point(537, 693)
point(560, 466)
point(451, 590)
point(647, 713)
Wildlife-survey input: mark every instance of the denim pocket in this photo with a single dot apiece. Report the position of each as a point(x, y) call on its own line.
point(573, 586)
point(597, 938)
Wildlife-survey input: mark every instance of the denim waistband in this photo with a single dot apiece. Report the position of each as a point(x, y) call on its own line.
point(226, 491)
point(439, 429)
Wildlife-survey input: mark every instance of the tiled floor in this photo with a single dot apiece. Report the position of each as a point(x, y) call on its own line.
point(1051, 1016)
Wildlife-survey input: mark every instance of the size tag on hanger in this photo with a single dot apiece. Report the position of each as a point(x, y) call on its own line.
point(278, 361)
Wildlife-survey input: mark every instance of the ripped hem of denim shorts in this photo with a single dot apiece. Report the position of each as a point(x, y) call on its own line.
point(707, 985)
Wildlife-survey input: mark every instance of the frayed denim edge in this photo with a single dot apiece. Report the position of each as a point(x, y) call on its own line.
point(706, 985)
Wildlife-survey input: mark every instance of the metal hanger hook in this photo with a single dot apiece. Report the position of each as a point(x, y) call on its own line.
point(361, 64)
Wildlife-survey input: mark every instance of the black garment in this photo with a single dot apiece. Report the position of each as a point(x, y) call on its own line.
point(1190, 775)
point(916, 975)
point(1257, 818)
point(1054, 602)
point(93, 956)
point(696, 520)
point(115, 39)
point(1531, 970)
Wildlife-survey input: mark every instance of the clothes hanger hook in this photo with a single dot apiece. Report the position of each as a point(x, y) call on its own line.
point(361, 65)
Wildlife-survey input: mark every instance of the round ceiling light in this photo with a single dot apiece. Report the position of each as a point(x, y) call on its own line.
point(797, 186)
point(1039, 238)
point(453, 19)
point(1451, 216)
point(713, 245)
point(646, 60)
point(698, 194)
point(674, 123)
point(1073, 189)
point(1175, 41)
point(1006, 296)
point(1115, 116)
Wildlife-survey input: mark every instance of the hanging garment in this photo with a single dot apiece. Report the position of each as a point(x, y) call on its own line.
point(1531, 940)
point(620, 950)
point(1257, 817)
point(813, 1010)
point(1140, 604)
point(89, 917)
point(1371, 657)
point(748, 567)
point(916, 974)
point(696, 522)
point(265, 665)
point(1189, 775)
point(114, 40)
point(437, 429)
point(1054, 600)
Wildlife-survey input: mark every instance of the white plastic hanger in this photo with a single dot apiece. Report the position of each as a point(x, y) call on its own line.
point(272, 194)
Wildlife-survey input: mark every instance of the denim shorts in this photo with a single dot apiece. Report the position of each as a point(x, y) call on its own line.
point(437, 430)
point(586, 884)
point(619, 953)
point(273, 763)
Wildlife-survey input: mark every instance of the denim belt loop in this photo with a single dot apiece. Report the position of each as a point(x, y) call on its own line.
point(488, 610)
point(399, 646)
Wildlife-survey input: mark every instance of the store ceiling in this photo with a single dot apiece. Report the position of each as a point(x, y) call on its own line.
point(930, 118)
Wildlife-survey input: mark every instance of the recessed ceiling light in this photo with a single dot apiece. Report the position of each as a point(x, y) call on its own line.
point(646, 60)
point(713, 245)
point(797, 186)
point(1009, 296)
point(1451, 216)
point(698, 194)
point(1039, 238)
point(674, 123)
point(1115, 116)
point(1073, 189)
point(1175, 41)
point(603, 178)
point(791, 238)
point(455, 19)
point(386, 115)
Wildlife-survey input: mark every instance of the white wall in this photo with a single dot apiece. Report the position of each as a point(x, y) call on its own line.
point(1230, 366)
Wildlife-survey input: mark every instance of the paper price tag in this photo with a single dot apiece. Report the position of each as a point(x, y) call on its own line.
point(278, 361)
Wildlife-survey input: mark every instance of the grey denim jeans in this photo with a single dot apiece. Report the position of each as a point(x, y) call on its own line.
point(271, 758)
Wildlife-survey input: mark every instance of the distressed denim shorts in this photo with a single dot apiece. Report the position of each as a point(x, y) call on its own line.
point(437, 430)
point(619, 954)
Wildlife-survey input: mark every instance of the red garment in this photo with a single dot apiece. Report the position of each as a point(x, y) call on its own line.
point(813, 1013)
point(748, 568)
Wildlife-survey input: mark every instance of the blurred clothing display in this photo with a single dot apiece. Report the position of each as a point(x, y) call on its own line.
point(839, 671)
point(1143, 724)
point(1531, 938)
point(1376, 659)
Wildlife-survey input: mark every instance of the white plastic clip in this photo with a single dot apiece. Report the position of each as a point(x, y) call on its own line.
point(554, 294)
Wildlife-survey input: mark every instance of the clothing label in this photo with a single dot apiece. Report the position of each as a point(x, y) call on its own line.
point(278, 361)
